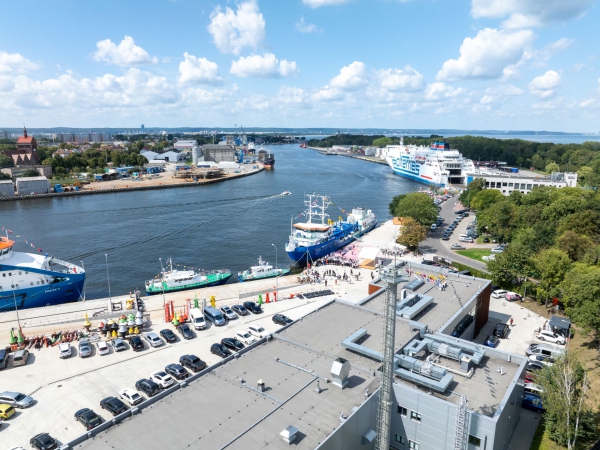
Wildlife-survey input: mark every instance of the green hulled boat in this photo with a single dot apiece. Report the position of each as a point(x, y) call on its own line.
point(262, 270)
point(181, 280)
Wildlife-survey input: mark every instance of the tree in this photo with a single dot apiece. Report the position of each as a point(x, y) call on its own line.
point(585, 175)
point(568, 410)
point(512, 265)
point(6, 161)
point(382, 142)
point(5, 176)
point(30, 173)
point(411, 234)
point(551, 265)
point(537, 162)
point(552, 167)
point(417, 205)
point(573, 244)
point(484, 199)
point(478, 184)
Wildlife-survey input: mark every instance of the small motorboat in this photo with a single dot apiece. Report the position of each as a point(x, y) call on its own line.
point(284, 193)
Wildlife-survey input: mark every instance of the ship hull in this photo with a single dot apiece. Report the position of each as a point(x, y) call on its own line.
point(412, 170)
point(211, 281)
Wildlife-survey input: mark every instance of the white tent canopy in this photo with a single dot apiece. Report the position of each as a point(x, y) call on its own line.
point(368, 253)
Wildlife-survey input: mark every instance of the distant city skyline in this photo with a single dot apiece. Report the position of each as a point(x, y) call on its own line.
point(399, 64)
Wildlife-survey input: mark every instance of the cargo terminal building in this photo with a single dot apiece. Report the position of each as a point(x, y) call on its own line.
point(509, 182)
point(315, 383)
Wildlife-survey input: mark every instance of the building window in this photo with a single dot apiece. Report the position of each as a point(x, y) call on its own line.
point(413, 445)
point(522, 185)
point(493, 184)
point(529, 187)
point(400, 439)
point(475, 441)
point(415, 416)
point(402, 411)
point(510, 185)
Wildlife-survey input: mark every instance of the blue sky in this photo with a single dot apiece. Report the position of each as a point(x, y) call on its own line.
point(484, 64)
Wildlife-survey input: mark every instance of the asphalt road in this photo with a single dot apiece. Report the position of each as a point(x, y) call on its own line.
point(434, 244)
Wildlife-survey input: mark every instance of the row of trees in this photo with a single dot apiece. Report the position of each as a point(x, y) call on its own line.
point(418, 212)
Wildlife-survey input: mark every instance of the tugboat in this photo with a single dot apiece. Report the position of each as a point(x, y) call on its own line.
point(312, 240)
point(180, 280)
point(28, 280)
point(262, 270)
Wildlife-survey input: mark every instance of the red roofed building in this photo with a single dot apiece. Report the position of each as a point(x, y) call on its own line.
point(26, 152)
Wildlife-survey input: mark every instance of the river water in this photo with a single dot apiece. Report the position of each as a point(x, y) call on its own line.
point(222, 226)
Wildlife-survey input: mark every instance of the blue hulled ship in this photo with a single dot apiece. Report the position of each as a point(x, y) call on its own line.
point(316, 238)
point(29, 280)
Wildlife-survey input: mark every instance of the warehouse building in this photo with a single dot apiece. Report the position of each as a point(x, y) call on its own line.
point(218, 153)
point(7, 188)
point(316, 386)
point(32, 185)
point(507, 182)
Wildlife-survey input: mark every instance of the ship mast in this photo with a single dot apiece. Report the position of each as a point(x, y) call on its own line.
point(319, 208)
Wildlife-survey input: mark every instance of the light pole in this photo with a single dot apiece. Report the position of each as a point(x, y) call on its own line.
point(108, 278)
point(276, 276)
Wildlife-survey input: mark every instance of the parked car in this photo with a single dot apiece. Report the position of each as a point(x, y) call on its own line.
point(545, 360)
point(4, 355)
point(228, 313)
point(486, 240)
point(118, 344)
point(245, 337)
point(136, 343)
point(500, 293)
point(64, 350)
point(168, 336)
point(280, 319)
point(177, 371)
point(445, 237)
point(232, 344)
point(501, 330)
point(512, 296)
point(153, 339)
point(433, 227)
point(43, 441)
point(240, 310)
point(6, 411)
point(466, 239)
point(102, 348)
point(550, 336)
point(20, 357)
point(529, 377)
point(532, 402)
point(258, 331)
point(113, 405)
point(220, 350)
point(185, 331)
point(85, 349)
point(457, 247)
point(163, 379)
point(192, 362)
point(497, 250)
point(148, 387)
point(533, 366)
point(88, 418)
point(253, 307)
point(16, 399)
point(131, 397)
point(492, 341)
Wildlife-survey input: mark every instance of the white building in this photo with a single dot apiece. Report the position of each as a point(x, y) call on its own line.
point(149, 155)
point(185, 145)
point(509, 182)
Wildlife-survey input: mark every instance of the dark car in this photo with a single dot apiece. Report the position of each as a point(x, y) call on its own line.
point(113, 405)
point(534, 366)
point(148, 387)
point(4, 355)
point(185, 331)
point(168, 336)
point(192, 362)
point(445, 237)
point(43, 441)
point(88, 418)
point(220, 350)
point(240, 310)
point(253, 307)
point(532, 402)
point(501, 330)
point(486, 240)
point(492, 341)
point(232, 344)
point(136, 343)
point(177, 371)
point(280, 319)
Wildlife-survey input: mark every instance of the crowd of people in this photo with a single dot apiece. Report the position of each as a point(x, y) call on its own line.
point(336, 259)
point(328, 276)
point(394, 250)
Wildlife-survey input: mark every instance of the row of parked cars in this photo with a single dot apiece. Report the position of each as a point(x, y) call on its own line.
point(461, 215)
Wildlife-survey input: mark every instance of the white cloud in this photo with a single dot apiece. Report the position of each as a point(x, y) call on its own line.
point(538, 58)
point(529, 13)
point(328, 94)
point(319, 3)
point(198, 70)
point(265, 66)
point(351, 78)
point(293, 96)
point(304, 27)
point(407, 79)
point(500, 93)
point(126, 54)
point(232, 31)
point(438, 91)
point(544, 85)
point(15, 63)
point(486, 55)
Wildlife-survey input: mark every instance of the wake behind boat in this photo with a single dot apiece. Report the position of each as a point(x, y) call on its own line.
point(180, 280)
point(29, 281)
point(262, 270)
point(314, 238)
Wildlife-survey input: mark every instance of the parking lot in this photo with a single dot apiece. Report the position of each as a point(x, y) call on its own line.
point(61, 387)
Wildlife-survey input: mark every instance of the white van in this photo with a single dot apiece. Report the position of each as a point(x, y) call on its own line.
point(198, 319)
point(214, 315)
point(545, 350)
point(531, 388)
point(465, 238)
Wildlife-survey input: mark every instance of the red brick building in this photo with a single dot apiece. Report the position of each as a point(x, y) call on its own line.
point(26, 152)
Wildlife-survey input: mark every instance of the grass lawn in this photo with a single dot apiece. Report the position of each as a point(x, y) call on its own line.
point(475, 253)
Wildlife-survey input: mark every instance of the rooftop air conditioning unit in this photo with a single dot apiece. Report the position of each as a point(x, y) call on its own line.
point(289, 435)
point(339, 372)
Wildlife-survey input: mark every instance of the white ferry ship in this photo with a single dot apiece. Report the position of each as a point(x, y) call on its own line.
point(437, 165)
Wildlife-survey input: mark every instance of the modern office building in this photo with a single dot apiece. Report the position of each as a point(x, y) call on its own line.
point(315, 383)
point(507, 182)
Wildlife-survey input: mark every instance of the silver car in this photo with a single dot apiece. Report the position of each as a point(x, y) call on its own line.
point(16, 399)
point(84, 348)
point(228, 313)
point(153, 339)
point(118, 344)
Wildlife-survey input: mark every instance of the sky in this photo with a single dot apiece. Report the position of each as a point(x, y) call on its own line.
point(478, 65)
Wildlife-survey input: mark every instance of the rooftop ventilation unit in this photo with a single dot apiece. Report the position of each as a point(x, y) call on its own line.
point(289, 435)
point(414, 284)
point(339, 372)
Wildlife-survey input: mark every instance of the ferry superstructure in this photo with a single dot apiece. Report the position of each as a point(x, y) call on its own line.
point(29, 280)
point(315, 238)
point(438, 164)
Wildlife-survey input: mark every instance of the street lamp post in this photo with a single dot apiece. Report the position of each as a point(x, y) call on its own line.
point(277, 276)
